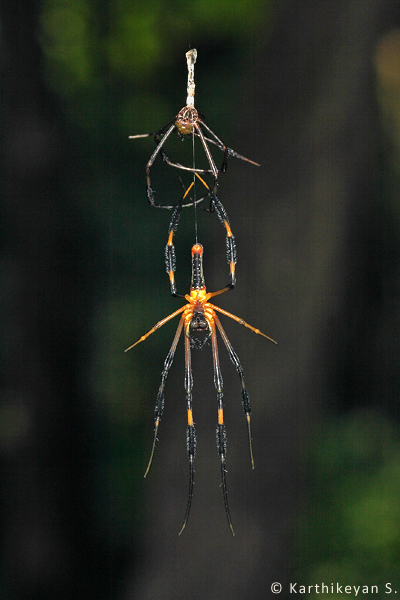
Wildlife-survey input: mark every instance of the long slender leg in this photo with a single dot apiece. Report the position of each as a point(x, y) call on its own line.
point(157, 326)
point(238, 319)
point(221, 146)
point(161, 136)
point(227, 151)
point(210, 158)
point(159, 406)
point(231, 256)
point(221, 430)
point(245, 395)
point(170, 259)
point(155, 134)
point(190, 431)
point(149, 190)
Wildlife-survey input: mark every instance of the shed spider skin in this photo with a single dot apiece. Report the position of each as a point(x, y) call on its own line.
point(189, 122)
point(199, 323)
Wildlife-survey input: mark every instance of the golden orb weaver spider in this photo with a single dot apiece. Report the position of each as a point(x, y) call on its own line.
point(188, 122)
point(200, 316)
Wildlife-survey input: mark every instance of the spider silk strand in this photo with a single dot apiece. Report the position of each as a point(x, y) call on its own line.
point(194, 187)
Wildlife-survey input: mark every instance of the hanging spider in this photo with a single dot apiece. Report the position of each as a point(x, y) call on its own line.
point(188, 122)
point(199, 318)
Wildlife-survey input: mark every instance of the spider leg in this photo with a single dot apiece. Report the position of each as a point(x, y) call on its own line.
point(155, 134)
point(159, 406)
point(230, 151)
point(230, 238)
point(231, 256)
point(186, 191)
point(157, 326)
point(159, 149)
point(239, 320)
point(221, 430)
point(210, 158)
point(219, 143)
point(211, 163)
point(149, 190)
point(190, 431)
point(170, 259)
point(245, 395)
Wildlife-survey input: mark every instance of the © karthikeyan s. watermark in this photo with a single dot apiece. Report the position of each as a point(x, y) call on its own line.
point(333, 588)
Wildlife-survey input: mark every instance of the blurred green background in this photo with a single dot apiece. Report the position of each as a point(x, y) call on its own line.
point(309, 89)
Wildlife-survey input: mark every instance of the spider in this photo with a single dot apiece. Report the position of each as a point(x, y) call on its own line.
point(199, 318)
point(188, 122)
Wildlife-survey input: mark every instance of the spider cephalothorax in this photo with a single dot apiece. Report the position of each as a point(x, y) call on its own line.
point(200, 316)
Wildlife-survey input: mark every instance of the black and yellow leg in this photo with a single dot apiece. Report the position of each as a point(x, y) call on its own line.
point(239, 320)
point(231, 255)
point(245, 395)
point(221, 431)
point(170, 258)
point(190, 431)
point(157, 326)
point(159, 406)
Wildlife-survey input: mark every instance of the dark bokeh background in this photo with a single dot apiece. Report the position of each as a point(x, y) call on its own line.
point(311, 90)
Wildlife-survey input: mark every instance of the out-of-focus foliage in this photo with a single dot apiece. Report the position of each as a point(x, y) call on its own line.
point(351, 532)
point(122, 47)
point(351, 525)
point(387, 69)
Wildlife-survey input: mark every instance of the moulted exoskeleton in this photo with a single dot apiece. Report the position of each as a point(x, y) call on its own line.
point(189, 122)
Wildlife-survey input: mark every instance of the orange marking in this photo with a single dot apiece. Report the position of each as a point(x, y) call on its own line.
point(232, 266)
point(171, 277)
point(202, 181)
point(197, 249)
point(228, 229)
point(171, 235)
point(190, 417)
point(220, 416)
point(188, 190)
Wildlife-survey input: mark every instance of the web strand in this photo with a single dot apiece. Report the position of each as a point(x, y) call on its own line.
point(194, 186)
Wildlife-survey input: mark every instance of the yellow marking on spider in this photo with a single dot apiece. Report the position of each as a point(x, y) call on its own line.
point(197, 295)
point(188, 190)
point(202, 181)
point(228, 229)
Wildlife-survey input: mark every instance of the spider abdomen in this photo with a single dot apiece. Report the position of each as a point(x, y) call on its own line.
point(186, 119)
